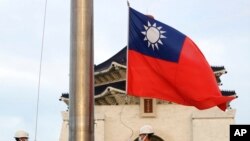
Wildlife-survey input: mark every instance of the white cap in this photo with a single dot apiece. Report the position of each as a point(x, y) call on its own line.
point(21, 133)
point(146, 129)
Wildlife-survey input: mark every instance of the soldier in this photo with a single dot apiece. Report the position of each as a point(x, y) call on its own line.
point(146, 132)
point(21, 135)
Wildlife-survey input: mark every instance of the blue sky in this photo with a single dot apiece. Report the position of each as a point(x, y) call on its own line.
point(221, 29)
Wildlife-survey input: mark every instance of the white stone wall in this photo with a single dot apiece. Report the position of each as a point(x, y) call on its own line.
point(65, 126)
point(212, 125)
point(172, 123)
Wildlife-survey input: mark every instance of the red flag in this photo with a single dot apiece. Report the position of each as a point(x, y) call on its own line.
point(163, 63)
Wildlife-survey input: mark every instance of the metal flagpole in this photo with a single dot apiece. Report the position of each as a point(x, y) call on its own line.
point(81, 105)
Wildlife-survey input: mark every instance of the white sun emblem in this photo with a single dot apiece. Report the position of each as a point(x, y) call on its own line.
point(153, 35)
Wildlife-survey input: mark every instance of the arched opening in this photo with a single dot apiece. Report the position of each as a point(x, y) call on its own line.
point(153, 138)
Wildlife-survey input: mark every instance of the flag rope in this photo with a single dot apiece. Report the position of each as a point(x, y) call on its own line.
point(40, 71)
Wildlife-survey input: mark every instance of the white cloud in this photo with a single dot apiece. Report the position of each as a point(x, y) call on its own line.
point(213, 51)
point(12, 75)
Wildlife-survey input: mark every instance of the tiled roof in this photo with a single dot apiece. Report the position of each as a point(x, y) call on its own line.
point(120, 58)
point(65, 95)
point(217, 68)
point(118, 85)
point(228, 93)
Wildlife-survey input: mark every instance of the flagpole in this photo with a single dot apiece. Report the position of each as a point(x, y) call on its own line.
point(81, 105)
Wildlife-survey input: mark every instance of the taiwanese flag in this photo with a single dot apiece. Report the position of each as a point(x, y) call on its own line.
point(164, 63)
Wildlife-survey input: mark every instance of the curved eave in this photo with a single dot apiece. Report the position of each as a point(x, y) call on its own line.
point(110, 90)
point(110, 96)
point(115, 72)
point(229, 93)
point(113, 65)
point(65, 98)
point(219, 70)
point(113, 96)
